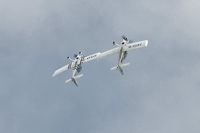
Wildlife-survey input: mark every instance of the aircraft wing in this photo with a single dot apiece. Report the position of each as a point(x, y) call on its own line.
point(61, 70)
point(136, 45)
point(91, 57)
point(110, 52)
point(100, 55)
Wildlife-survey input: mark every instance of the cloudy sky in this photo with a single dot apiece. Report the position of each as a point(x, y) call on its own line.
point(159, 93)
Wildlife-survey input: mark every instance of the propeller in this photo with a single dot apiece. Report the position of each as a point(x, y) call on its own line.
point(125, 38)
point(130, 41)
point(70, 58)
point(75, 55)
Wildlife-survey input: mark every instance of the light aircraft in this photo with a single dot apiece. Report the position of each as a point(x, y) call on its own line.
point(122, 49)
point(76, 66)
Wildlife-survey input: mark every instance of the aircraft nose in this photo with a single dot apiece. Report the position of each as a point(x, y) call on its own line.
point(146, 43)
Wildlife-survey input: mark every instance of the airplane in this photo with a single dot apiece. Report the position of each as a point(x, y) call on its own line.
point(122, 49)
point(76, 66)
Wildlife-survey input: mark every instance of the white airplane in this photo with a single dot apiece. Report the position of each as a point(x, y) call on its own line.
point(122, 49)
point(76, 66)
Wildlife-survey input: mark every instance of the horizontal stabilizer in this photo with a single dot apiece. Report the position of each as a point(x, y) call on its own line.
point(78, 76)
point(121, 66)
point(124, 65)
point(74, 78)
point(69, 80)
point(114, 68)
point(60, 70)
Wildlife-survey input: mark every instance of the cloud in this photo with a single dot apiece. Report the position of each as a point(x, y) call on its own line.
point(158, 93)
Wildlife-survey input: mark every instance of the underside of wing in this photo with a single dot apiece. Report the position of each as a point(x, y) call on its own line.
point(91, 57)
point(110, 52)
point(100, 55)
point(60, 70)
point(136, 45)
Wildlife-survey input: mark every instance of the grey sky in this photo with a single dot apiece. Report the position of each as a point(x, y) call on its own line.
point(159, 92)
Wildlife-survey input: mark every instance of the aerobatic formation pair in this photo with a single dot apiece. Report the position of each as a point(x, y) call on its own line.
point(122, 49)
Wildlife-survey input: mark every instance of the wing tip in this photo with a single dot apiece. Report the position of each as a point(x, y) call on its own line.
point(54, 74)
